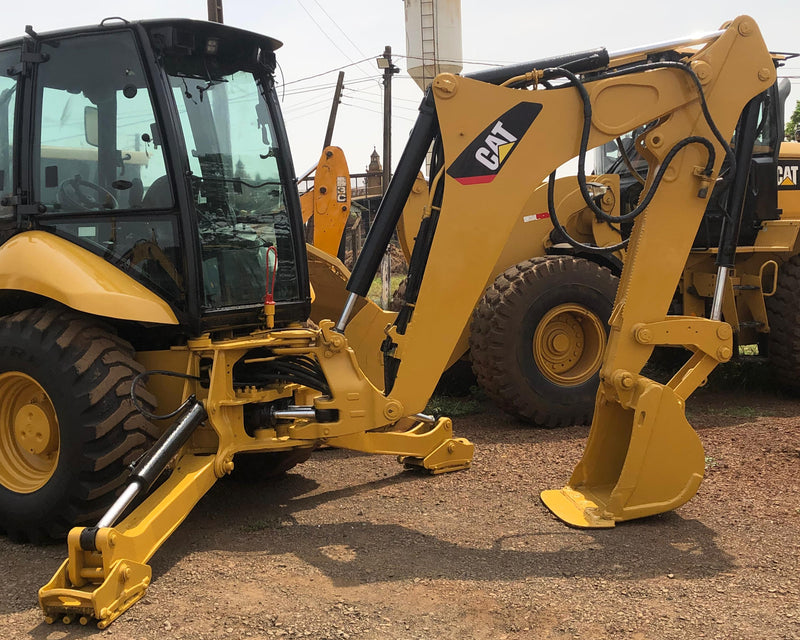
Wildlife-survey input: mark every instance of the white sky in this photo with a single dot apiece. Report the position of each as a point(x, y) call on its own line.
point(322, 35)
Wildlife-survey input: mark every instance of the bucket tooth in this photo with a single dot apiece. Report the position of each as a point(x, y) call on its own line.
point(639, 461)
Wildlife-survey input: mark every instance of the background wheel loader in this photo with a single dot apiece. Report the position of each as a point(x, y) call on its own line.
point(154, 282)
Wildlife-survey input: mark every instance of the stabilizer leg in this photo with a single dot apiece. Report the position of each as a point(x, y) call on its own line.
point(424, 446)
point(106, 570)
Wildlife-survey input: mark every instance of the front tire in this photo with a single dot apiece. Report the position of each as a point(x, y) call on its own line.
point(68, 428)
point(783, 311)
point(538, 336)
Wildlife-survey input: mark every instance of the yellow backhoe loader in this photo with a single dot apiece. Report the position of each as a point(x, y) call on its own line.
point(167, 300)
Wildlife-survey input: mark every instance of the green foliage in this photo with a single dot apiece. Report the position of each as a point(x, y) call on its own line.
point(375, 288)
point(746, 373)
point(440, 405)
point(793, 122)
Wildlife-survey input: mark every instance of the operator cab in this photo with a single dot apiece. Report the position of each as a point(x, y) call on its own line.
point(158, 145)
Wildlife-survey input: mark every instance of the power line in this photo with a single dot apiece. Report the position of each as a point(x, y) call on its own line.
point(372, 102)
point(323, 73)
point(394, 98)
point(357, 106)
point(483, 63)
point(355, 46)
point(294, 117)
point(332, 41)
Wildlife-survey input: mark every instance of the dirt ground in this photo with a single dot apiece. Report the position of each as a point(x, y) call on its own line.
point(350, 546)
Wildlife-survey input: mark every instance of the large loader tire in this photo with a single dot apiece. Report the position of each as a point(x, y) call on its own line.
point(783, 311)
point(68, 428)
point(538, 335)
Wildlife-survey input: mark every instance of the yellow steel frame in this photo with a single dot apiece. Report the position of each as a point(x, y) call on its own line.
point(327, 205)
point(101, 584)
point(642, 456)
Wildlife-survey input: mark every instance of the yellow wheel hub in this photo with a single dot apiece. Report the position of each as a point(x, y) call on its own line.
point(29, 440)
point(568, 344)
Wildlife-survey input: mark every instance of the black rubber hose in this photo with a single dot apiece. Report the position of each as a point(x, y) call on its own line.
point(581, 175)
point(160, 372)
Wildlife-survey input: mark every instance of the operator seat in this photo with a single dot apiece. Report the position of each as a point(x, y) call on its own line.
point(159, 195)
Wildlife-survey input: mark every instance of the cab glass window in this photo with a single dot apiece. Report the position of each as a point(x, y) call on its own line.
point(99, 167)
point(95, 139)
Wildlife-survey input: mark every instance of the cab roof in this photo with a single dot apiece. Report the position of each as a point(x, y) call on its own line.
point(199, 27)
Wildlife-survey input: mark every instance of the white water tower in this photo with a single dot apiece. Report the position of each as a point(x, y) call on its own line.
point(433, 39)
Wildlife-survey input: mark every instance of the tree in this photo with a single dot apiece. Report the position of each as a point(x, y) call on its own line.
point(794, 122)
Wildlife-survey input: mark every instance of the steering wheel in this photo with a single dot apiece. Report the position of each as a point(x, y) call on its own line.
point(83, 195)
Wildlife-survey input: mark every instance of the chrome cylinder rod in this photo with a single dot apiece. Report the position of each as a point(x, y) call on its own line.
point(664, 46)
point(719, 293)
point(295, 413)
point(147, 470)
point(423, 417)
point(346, 312)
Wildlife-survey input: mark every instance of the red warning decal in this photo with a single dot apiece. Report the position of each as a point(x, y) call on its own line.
point(536, 216)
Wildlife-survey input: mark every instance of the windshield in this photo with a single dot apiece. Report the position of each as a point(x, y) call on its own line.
point(236, 184)
point(609, 159)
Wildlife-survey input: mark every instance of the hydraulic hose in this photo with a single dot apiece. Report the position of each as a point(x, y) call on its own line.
point(573, 80)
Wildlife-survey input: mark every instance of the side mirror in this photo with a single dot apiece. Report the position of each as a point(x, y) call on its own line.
point(90, 126)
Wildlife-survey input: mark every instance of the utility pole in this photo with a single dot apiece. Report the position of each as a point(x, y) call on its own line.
point(215, 11)
point(389, 70)
point(337, 96)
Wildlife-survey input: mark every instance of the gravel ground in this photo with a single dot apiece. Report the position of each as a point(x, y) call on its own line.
point(350, 546)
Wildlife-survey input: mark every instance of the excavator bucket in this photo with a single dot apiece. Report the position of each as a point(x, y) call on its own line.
point(639, 461)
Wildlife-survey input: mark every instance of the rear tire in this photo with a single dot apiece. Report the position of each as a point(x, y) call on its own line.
point(783, 311)
point(268, 465)
point(538, 335)
point(68, 428)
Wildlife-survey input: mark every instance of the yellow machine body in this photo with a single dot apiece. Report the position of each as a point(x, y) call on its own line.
point(102, 583)
point(46, 265)
point(758, 266)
